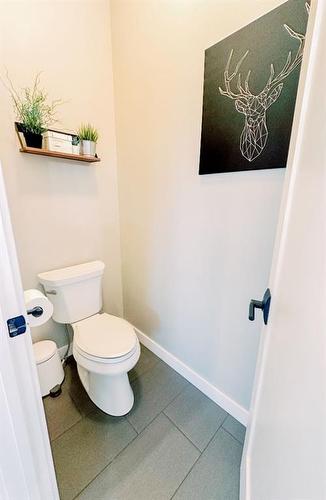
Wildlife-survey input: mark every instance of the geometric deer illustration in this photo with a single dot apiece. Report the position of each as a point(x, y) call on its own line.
point(254, 107)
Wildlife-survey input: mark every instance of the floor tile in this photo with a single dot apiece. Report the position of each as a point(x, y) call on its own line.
point(85, 449)
point(235, 428)
point(153, 392)
point(216, 474)
point(150, 468)
point(146, 362)
point(61, 414)
point(196, 416)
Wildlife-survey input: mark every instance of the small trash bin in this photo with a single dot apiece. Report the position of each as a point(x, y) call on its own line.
point(49, 366)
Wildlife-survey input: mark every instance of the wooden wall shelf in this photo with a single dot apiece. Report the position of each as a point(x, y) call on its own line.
point(55, 154)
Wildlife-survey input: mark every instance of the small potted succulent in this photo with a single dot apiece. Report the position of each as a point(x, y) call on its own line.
point(33, 111)
point(88, 136)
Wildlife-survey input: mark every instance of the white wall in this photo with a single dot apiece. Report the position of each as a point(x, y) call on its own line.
point(195, 249)
point(63, 212)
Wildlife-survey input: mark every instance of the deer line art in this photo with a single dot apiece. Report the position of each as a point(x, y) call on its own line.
point(255, 133)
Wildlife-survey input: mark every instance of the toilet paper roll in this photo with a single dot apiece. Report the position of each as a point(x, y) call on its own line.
point(35, 298)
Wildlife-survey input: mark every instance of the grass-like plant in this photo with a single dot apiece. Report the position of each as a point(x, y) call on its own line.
point(32, 108)
point(87, 133)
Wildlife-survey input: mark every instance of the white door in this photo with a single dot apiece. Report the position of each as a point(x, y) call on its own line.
point(26, 467)
point(285, 451)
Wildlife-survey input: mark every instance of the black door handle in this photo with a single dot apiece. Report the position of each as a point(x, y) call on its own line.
point(264, 305)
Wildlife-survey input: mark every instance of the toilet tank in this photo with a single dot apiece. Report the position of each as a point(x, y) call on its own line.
point(75, 291)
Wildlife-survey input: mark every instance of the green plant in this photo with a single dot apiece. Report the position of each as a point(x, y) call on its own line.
point(31, 107)
point(87, 133)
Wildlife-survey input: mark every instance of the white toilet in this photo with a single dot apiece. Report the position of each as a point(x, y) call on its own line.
point(105, 347)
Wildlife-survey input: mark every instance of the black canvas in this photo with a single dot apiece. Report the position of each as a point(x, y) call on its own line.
point(250, 87)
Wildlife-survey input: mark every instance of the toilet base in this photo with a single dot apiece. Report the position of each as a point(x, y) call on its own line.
point(111, 393)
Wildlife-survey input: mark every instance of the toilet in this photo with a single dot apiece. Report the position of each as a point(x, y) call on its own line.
point(105, 347)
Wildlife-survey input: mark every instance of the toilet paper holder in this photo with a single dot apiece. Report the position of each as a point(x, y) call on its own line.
point(39, 308)
point(37, 311)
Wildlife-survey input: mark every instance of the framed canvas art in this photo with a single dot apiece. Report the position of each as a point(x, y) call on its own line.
point(250, 87)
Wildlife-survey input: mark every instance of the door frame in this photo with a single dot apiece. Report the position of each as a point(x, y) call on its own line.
point(22, 418)
point(18, 376)
point(307, 75)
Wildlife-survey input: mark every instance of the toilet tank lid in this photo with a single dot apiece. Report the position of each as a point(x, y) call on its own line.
point(72, 274)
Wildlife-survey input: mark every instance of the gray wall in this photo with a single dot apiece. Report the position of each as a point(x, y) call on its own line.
point(195, 249)
point(63, 212)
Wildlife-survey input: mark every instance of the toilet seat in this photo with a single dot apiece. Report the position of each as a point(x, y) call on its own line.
point(102, 361)
point(105, 338)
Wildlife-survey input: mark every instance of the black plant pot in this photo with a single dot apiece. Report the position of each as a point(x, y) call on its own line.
point(33, 140)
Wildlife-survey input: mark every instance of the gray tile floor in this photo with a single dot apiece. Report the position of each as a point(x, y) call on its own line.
point(175, 443)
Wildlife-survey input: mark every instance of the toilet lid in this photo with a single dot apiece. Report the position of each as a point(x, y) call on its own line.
point(104, 336)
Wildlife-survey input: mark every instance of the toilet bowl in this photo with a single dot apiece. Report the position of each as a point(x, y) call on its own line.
point(105, 347)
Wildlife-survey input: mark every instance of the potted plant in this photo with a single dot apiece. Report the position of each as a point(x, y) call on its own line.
point(88, 136)
point(33, 112)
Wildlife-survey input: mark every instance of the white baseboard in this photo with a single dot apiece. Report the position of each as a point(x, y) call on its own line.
point(232, 407)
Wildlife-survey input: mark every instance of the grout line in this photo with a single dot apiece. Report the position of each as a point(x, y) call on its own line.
point(67, 429)
point(82, 417)
point(171, 401)
point(187, 384)
point(175, 425)
point(64, 432)
point(78, 421)
point(183, 480)
point(106, 466)
point(221, 425)
point(179, 394)
point(230, 434)
point(161, 411)
point(134, 428)
point(138, 434)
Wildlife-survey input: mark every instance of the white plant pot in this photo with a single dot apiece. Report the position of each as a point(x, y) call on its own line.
point(88, 148)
